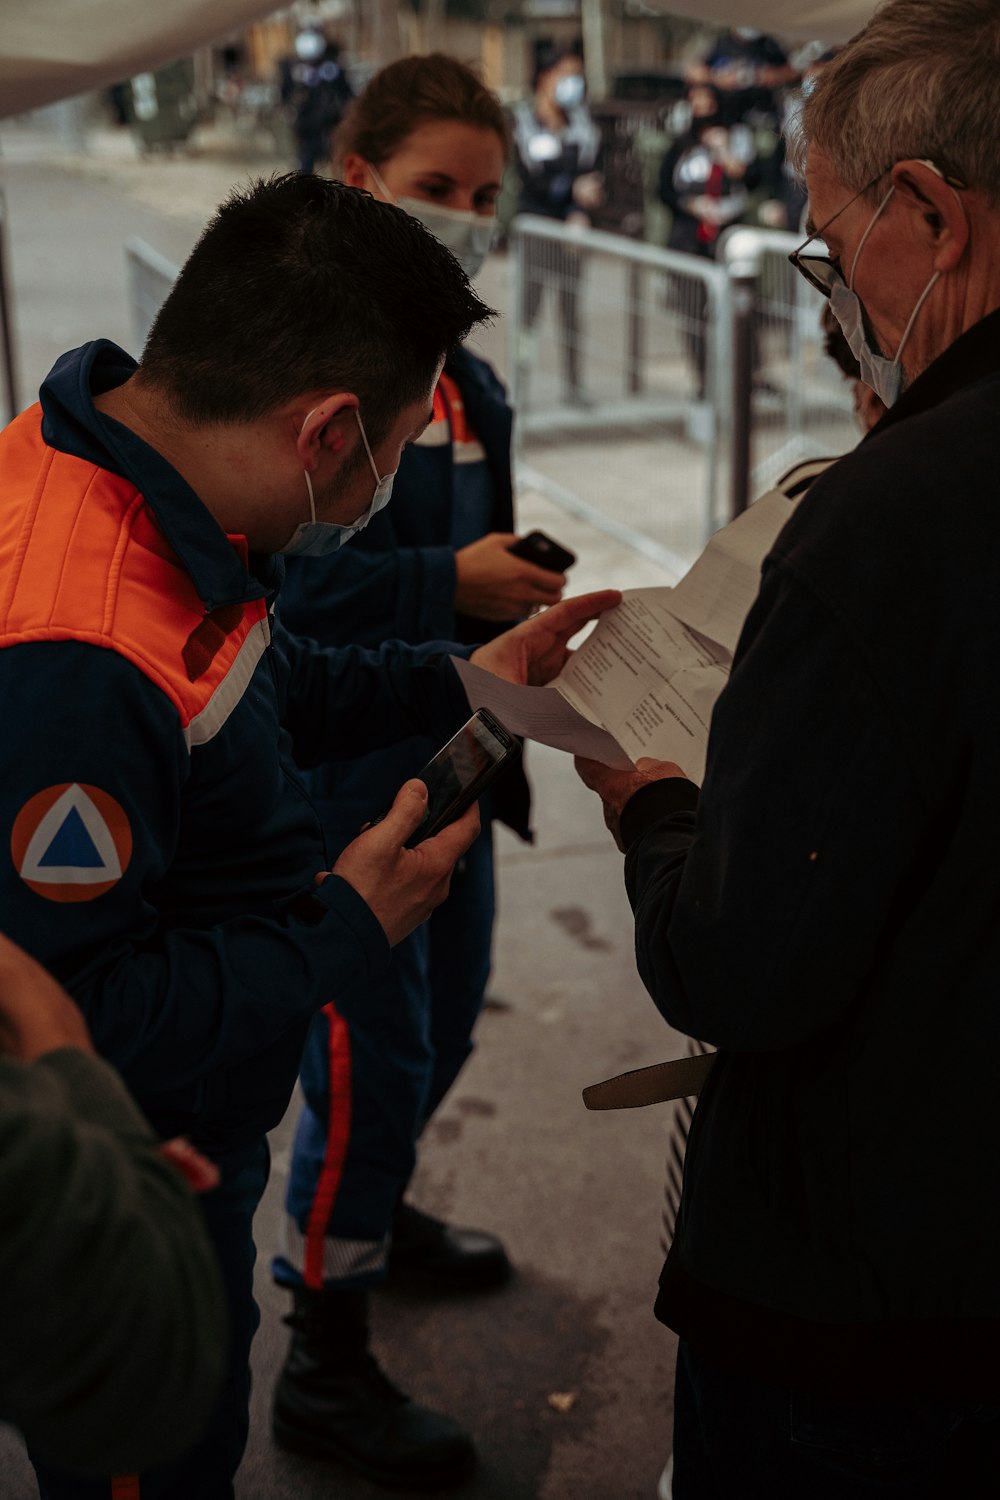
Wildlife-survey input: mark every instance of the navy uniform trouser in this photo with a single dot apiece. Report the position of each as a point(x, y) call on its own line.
point(206, 1472)
point(371, 1086)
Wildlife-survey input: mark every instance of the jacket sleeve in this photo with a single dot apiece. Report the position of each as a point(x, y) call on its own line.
point(344, 701)
point(112, 1308)
point(367, 595)
point(171, 990)
point(758, 922)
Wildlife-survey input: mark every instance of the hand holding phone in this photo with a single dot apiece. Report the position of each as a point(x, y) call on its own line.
point(401, 885)
point(493, 583)
point(461, 771)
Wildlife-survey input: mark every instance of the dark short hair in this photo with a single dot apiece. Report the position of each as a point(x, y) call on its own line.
point(412, 92)
point(300, 284)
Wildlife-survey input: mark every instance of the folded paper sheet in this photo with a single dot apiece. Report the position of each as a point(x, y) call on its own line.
point(645, 680)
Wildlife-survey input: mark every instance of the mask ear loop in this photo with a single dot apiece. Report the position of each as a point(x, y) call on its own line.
point(379, 182)
point(309, 483)
point(364, 439)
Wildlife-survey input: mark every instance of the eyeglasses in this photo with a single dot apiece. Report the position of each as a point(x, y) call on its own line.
point(821, 271)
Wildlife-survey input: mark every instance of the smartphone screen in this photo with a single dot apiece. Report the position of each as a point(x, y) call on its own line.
point(463, 769)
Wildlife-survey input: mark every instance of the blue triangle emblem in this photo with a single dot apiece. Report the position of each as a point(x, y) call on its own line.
point(72, 845)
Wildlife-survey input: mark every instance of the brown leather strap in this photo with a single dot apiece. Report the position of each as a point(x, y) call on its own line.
point(667, 1080)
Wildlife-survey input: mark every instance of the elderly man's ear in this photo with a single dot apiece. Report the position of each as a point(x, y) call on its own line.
point(940, 209)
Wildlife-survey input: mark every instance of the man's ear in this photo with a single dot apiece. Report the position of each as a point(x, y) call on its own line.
point(944, 223)
point(354, 171)
point(326, 425)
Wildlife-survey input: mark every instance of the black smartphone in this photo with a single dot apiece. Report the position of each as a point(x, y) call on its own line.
point(462, 770)
point(541, 550)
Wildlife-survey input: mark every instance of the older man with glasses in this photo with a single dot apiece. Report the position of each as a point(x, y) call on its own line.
point(825, 909)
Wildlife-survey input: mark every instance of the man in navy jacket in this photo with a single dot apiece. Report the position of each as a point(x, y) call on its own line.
point(825, 910)
point(164, 859)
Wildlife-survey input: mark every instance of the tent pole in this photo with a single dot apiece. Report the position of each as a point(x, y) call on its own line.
point(6, 327)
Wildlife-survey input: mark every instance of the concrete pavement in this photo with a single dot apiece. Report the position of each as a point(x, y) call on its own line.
point(563, 1377)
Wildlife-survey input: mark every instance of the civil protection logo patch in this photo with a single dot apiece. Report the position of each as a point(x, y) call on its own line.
point(71, 842)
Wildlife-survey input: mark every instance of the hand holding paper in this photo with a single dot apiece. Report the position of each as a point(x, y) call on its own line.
point(535, 651)
point(645, 682)
point(616, 787)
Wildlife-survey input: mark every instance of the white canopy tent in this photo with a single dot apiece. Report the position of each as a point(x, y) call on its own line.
point(53, 49)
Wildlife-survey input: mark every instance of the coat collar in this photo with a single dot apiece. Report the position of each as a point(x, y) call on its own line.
point(72, 424)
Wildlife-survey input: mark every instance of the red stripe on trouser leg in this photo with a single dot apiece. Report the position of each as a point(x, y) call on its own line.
point(125, 1487)
point(338, 1134)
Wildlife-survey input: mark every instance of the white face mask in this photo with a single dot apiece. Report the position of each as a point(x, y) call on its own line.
point(569, 90)
point(319, 538)
point(884, 376)
point(467, 235)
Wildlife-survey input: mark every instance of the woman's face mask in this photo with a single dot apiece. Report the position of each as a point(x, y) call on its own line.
point(319, 538)
point(469, 236)
point(569, 90)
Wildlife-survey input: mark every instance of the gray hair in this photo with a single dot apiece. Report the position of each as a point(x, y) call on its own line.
point(921, 80)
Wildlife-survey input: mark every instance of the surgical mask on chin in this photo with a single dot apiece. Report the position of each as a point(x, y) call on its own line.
point(884, 376)
point(321, 538)
point(467, 235)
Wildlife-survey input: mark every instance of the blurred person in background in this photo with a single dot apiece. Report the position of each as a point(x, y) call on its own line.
point(786, 208)
point(748, 68)
point(315, 93)
point(559, 157)
point(434, 565)
point(705, 180)
point(111, 1303)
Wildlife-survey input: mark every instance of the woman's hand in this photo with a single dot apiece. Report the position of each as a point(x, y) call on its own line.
point(492, 584)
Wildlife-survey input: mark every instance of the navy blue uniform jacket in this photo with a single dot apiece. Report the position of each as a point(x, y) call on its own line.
point(159, 846)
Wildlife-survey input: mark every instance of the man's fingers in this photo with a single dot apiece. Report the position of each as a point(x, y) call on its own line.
point(406, 813)
point(453, 840)
point(568, 616)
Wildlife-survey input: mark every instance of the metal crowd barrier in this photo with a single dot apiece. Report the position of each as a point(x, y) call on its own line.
point(657, 393)
point(150, 276)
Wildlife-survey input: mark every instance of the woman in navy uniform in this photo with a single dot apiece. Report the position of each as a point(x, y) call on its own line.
point(434, 565)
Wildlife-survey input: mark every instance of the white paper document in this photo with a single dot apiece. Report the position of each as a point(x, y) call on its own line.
point(645, 681)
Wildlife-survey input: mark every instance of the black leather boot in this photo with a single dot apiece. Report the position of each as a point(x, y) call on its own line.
point(332, 1401)
point(461, 1259)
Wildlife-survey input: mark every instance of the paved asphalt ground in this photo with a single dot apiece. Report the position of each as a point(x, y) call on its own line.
point(563, 1377)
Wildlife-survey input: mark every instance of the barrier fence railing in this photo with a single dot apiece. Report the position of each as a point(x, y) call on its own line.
point(657, 392)
point(150, 276)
